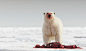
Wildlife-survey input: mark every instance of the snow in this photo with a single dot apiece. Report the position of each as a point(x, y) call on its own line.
point(25, 38)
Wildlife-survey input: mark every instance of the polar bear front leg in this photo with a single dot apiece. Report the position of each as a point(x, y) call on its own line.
point(45, 39)
point(59, 38)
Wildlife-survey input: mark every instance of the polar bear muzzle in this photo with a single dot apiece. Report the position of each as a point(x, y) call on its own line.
point(49, 15)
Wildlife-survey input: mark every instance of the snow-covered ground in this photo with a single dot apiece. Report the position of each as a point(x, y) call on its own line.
point(25, 38)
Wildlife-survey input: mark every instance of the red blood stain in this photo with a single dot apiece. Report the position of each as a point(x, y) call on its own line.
point(57, 45)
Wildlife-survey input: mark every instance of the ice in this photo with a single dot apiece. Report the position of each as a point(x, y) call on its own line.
point(25, 38)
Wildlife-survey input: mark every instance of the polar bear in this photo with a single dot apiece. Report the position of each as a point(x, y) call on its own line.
point(52, 28)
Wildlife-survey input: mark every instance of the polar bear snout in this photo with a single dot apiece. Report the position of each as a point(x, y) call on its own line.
point(49, 16)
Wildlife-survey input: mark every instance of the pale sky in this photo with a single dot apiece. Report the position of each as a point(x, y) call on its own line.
point(29, 13)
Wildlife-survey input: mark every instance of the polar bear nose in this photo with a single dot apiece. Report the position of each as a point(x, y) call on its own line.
point(49, 16)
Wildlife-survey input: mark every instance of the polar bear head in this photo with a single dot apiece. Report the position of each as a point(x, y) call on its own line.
point(49, 15)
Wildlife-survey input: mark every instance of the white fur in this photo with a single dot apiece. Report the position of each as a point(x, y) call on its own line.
point(52, 29)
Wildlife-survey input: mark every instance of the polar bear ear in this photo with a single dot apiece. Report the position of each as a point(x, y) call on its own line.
point(54, 13)
point(44, 13)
